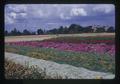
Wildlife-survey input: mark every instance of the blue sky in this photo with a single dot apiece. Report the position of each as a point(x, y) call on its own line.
point(48, 16)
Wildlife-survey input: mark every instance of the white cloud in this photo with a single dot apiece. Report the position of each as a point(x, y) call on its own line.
point(78, 12)
point(103, 8)
point(78, 5)
point(46, 10)
point(62, 16)
point(54, 11)
point(13, 15)
point(17, 8)
point(9, 20)
point(51, 23)
point(39, 12)
point(23, 14)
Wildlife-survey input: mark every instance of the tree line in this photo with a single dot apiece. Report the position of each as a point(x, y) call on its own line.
point(72, 29)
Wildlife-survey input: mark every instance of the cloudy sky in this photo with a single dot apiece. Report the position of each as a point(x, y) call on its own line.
point(48, 16)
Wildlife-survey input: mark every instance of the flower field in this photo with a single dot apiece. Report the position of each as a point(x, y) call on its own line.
point(92, 52)
point(86, 44)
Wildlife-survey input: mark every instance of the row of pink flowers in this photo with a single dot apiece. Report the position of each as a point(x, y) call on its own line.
point(90, 41)
point(80, 47)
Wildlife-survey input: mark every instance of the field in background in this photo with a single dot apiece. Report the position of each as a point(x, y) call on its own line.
point(42, 37)
point(60, 51)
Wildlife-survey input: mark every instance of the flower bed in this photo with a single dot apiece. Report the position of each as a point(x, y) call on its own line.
point(71, 50)
point(92, 61)
point(84, 45)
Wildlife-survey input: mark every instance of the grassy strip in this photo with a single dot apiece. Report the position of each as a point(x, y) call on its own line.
point(92, 61)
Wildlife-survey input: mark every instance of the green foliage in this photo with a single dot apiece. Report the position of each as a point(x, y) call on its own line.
point(110, 29)
point(92, 61)
point(26, 32)
point(99, 30)
point(14, 32)
point(17, 71)
point(72, 29)
point(78, 39)
point(40, 31)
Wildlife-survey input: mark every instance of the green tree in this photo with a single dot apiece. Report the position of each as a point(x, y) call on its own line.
point(74, 28)
point(111, 29)
point(99, 30)
point(26, 32)
point(61, 30)
point(6, 33)
point(15, 32)
point(87, 29)
point(40, 31)
point(65, 30)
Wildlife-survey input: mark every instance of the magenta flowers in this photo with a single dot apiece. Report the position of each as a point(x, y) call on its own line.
point(100, 48)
